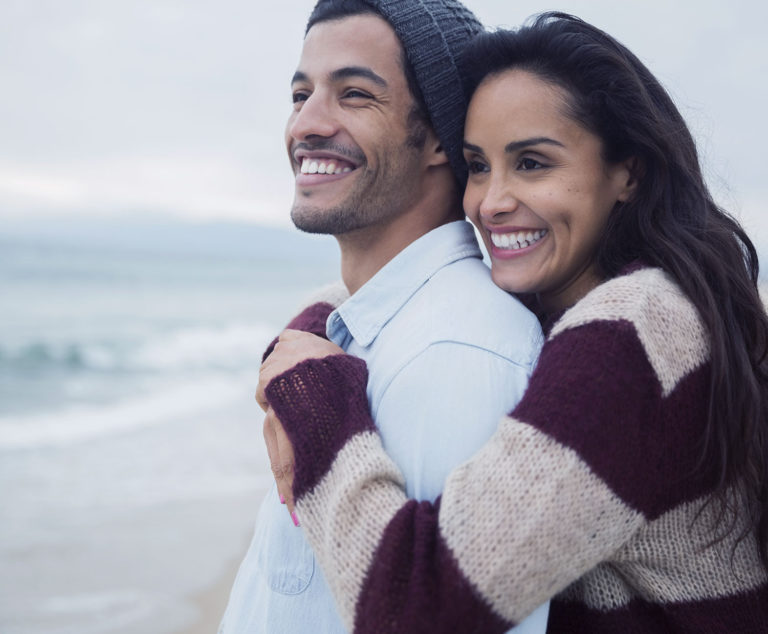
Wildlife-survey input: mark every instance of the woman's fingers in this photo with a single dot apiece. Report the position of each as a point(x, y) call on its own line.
point(293, 347)
point(288, 466)
point(281, 460)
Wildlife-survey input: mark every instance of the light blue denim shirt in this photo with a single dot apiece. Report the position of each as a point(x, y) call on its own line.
point(448, 354)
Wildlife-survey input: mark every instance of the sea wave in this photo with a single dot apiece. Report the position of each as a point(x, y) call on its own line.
point(85, 422)
point(228, 347)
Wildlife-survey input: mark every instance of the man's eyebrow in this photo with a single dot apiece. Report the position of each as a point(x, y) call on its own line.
point(345, 73)
point(358, 71)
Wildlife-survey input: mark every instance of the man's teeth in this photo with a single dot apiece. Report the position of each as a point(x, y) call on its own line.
point(517, 240)
point(312, 166)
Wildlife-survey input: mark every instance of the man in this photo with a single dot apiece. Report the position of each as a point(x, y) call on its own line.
point(374, 141)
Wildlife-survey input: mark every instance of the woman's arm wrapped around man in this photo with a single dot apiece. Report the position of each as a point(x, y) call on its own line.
point(590, 484)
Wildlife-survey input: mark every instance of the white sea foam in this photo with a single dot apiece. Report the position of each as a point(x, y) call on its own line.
point(230, 346)
point(81, 423)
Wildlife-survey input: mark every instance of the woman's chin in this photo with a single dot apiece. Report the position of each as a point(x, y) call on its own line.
point(515, 284)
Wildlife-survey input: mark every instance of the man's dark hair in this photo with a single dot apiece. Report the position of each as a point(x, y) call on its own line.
point(432, 35)
point(328, 10)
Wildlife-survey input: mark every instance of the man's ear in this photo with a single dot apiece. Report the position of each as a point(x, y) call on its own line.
point(435, 155)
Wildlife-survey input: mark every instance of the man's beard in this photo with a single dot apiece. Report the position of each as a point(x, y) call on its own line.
point(347, 216)
point(376, 197)
point(375, 200)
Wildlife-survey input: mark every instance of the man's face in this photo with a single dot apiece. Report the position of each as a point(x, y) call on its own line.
point(349, 137)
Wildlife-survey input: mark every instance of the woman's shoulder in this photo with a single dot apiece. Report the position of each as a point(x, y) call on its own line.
point(647, 303)
point(637, 294)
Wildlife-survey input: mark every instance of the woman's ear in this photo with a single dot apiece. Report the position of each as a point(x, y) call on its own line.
point(632, 173)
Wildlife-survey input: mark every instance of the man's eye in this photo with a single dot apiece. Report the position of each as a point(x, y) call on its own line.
point(356, 94)
point(299, 96)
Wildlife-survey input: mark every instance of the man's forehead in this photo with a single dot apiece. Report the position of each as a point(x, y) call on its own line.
point(355, 42)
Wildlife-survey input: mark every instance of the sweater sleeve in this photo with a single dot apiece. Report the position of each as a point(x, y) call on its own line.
point(312, 319)
point(580, 465)
point(314, 314)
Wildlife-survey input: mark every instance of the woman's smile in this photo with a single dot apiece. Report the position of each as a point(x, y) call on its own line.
point(508, 243)
point(539, 190)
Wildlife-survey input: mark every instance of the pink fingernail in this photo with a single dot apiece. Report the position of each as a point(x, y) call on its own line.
point(294, 518)
point(282, 499)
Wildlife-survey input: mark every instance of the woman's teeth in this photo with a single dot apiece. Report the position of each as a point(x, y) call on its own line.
point(517, 240)
point(315, 166)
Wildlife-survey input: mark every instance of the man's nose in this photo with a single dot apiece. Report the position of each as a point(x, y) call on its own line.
point(315, 117)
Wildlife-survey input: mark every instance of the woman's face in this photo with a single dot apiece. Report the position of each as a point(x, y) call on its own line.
point(539, 191)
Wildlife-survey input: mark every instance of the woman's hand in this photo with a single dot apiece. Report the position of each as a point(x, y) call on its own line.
point(281, 459)
point(293, 347)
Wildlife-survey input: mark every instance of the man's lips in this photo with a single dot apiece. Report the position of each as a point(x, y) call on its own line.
point(326, 158)
point(325, 165)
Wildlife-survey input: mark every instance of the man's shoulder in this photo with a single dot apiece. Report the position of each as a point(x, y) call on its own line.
point(460, 304)
point(465, 290)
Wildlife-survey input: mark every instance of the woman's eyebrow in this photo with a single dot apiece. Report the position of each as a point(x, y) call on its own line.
point(514, 146)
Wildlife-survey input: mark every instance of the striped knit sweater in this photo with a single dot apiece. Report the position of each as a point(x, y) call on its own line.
point(588, 492)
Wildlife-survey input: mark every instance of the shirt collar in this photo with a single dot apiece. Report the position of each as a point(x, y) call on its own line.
point(366, 312)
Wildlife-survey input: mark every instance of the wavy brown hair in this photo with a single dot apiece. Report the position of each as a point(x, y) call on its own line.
point(672, 223)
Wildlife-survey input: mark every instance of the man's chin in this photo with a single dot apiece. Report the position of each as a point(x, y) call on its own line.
point(318, 220)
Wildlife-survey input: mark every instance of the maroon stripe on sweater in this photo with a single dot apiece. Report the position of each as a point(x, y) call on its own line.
point(636, 441)
point(321, 403)
point(311, 319)
point(745, 613)
point(414, 584)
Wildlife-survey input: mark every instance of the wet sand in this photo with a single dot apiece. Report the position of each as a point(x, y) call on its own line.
point(211, 603)
point(140, 533)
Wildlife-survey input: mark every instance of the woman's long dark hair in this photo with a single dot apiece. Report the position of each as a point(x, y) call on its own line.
point(671, 222)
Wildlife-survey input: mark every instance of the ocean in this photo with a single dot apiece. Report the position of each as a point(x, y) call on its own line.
point(131, 458)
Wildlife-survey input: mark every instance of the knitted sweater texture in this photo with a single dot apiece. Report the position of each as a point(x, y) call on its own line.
point(588, 492)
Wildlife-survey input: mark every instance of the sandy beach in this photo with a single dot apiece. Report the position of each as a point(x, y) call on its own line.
point(140, 533)
point(211, 603)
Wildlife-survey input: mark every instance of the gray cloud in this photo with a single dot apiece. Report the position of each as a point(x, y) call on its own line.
point(178, 107)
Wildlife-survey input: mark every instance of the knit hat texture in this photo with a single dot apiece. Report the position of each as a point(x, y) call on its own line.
point(433, 33)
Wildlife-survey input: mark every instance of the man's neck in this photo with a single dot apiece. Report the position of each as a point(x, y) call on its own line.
point(364, 253)
point(367, 251)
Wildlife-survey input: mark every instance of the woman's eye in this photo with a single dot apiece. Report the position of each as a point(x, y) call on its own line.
point(529, 164)
point(476, 167)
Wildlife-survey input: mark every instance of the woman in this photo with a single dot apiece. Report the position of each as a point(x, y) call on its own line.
point(631, 482)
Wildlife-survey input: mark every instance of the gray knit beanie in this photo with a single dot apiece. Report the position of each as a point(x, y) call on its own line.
point(433, 34)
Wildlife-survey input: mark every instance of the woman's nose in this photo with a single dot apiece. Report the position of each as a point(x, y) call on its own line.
point(498, 200)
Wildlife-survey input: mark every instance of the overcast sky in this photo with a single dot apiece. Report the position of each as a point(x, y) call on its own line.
point(113, 107)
